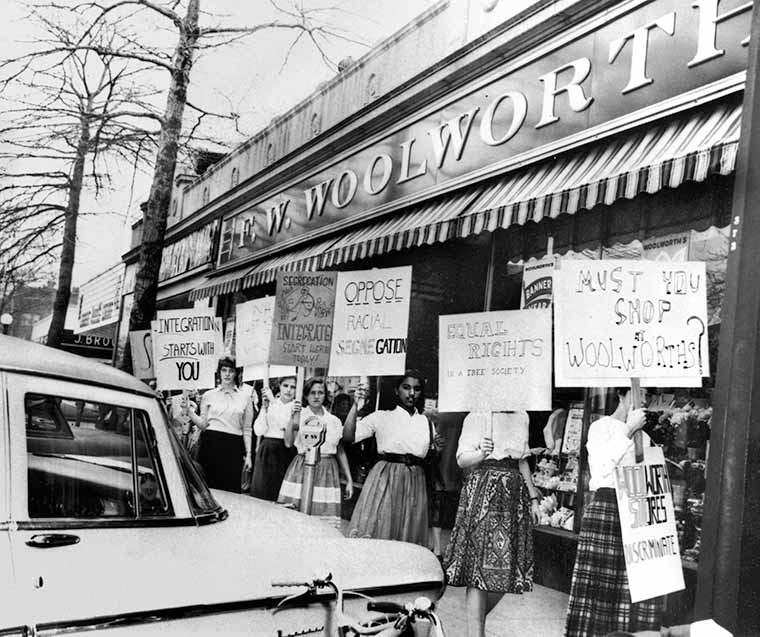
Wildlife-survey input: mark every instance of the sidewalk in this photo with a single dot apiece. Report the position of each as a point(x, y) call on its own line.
point(537, 614)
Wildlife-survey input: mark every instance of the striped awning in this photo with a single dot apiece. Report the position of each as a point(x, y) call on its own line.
point(432, 222)
point(221, 284)
point(661, 155)
point(306, 258)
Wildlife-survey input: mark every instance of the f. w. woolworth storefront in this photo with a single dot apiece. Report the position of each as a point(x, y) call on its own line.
point(474, 142)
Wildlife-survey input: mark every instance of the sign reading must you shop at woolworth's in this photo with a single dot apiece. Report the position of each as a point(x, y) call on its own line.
point(495, 361)
point(303, 319)
point(618, 319)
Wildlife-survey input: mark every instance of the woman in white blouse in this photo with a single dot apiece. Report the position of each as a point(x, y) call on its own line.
point(393, 504)
point(600, 601)
point(326, 501)
point(491, 547)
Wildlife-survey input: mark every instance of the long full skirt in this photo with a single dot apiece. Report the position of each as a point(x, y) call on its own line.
point(491, 546)
point(393, 504)
point(272, 461)
point(325, 499)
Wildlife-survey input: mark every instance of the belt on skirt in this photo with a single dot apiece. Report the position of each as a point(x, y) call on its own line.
point(403, 458)
point(503, 463)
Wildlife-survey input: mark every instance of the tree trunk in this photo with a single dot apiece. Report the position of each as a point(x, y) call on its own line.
point(68, 250)
point(155, 215)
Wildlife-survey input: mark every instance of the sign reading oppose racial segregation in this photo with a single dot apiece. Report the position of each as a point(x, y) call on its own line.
point(618, 319)
point(187, 345)
point(371, 322)
point(495, 361)
point(303, 319)
point(647, 522)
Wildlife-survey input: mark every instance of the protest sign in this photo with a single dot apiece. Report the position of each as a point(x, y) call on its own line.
point(187, 345)
point(262, 371)
point(647, 522)
point(303, 318)
point(537, 284)
point(614, 320)
point(253, 331)
point(495, 361)
point(141, 347)
point(371, 322)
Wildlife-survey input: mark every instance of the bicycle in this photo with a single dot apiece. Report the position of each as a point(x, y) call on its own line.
point(391, 619)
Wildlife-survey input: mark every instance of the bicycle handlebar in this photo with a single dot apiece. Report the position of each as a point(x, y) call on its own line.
point(386, 607)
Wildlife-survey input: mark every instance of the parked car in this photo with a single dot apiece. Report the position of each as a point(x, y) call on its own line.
point(106, 525)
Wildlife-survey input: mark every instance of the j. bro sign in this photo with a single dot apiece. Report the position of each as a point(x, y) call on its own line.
point(617, 319)
point(187, 345)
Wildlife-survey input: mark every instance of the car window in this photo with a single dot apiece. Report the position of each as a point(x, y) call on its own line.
point(88, 459)
point(201, 500)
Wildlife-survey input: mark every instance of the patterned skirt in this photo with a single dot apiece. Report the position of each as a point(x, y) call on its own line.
point(393, 504)
point(600, 602)
point(325, 500)
point(272, 461)
point(491, 546)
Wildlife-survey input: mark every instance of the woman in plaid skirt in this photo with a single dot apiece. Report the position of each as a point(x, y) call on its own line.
point(600, 601)
point(491, 547)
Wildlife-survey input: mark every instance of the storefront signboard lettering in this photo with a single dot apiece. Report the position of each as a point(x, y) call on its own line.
point(672, 247)
point(537, 284)
point(495, 361)
point(371, 322)
point(621, 63)
point(141, 347)
point(100, 299)
point(303, 318)
point(614, 320)
point(187, 345)
point(648, 525)
point(188, 253)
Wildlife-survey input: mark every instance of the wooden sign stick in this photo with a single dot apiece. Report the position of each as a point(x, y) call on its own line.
point(638, 441)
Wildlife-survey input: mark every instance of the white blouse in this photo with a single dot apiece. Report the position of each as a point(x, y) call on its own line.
point(271, 422)
point(510, 433)
point(396, 431)
point(229, 411)
point(333, 431)
point(607, 446)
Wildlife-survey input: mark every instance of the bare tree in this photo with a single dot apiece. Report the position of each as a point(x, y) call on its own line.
point(72, 106)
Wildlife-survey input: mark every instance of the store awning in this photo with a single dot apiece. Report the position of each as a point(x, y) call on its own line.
point(222, 284)
point(306, 258)
point(661, 155)
point(422, 225)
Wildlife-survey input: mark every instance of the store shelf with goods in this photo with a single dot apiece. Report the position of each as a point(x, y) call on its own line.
point(556, 476)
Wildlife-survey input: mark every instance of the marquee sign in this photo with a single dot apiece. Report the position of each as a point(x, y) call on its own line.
point(620, 62)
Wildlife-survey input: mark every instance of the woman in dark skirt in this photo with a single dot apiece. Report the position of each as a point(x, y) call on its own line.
point(393, 504)
point(491, 546)
point(600, 600)
point(273, 457)
point(225, 421)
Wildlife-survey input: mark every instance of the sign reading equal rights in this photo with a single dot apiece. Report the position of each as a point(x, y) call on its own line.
point(371, 322)
point(187, 345)
point(495, 361)
point(648, 525)
point(303, 319)
point(618, 319)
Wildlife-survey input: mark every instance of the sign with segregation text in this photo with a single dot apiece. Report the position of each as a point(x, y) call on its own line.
point(303, 319)
point(371, 322)
point(187, 345)
point(495, 361)
point(614, 320)
point(648, 525)
point(141, 347)
point(253, 331)
point(537, 284)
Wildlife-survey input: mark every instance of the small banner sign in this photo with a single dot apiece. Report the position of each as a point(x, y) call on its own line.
point(648, 524)
point(303, 319)
point(537, 284)
point(371, 322)
point(495, 361)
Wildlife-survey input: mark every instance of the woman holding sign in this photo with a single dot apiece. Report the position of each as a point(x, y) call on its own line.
point(393, 504)
point(326, 502)
point(491, 546)
point(600, 601)
point(225, 420)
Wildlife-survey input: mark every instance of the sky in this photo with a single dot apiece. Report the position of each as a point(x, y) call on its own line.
point(249, 77)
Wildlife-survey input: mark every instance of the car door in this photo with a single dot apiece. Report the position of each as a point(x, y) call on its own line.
point(101, 521)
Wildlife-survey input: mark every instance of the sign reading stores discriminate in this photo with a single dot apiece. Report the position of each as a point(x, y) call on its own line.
point(303, 319)
point(647, 522)
point(187, 345)
point(495, 361)
point(371, 322)
point(614, 320)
